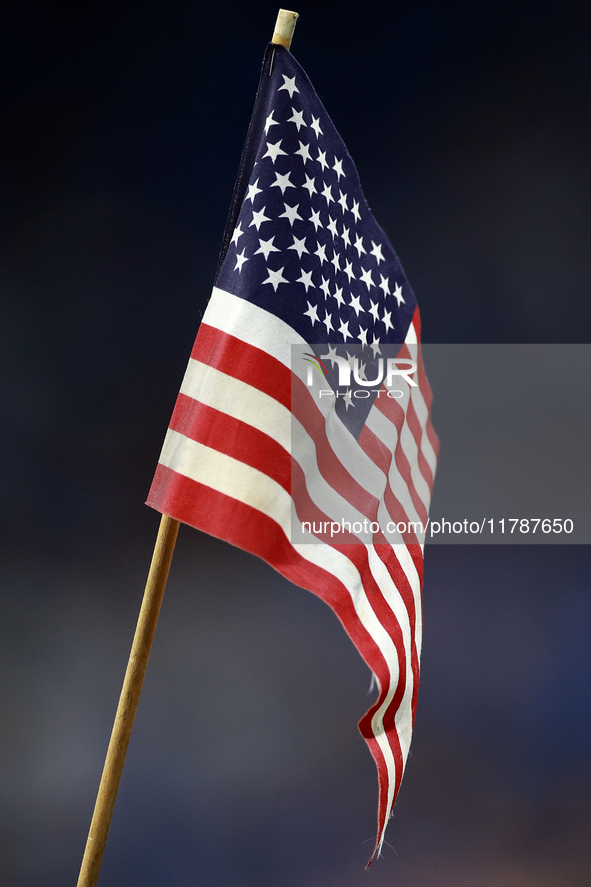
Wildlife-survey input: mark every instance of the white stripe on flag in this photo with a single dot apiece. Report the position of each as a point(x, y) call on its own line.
point(238, 399)
point(422, 412)
point(387, 433)
point(252, 325)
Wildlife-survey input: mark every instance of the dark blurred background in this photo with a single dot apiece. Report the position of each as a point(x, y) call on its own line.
point(122, 127)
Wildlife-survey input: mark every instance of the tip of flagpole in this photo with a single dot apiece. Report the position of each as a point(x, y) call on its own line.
point(284, 27)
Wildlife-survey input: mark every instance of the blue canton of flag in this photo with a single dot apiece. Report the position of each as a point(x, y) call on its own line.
point(305, 245)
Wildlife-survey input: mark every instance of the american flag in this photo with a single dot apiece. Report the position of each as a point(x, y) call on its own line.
point(254, 454)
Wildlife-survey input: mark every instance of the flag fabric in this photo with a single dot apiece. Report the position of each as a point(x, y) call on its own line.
point(308, 285)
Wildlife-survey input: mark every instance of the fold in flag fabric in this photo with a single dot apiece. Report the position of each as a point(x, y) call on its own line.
point(296, 434)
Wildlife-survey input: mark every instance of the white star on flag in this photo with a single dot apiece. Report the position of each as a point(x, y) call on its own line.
point(338, 295)
point(376, 251)
point(315, 124)
point(273, 151)
point(266, 247)
point(328, 322)
point(238, 232)
point(298, 118)
point(304, 153)
point(240, 260)
point(386, 319)
point(275, 278)
point(366, 277)
point(315, 219)
point(312, 313)
point(291, 213)
point(309, 184)
point(306, 279)
point(282, 181)
point(327, 194)
point(299, 245)
point(253, 190)
point(289, 85)
point(398, 294)
point(258, 218)
point(344, 330)
point(322, 160)
point(321, 253)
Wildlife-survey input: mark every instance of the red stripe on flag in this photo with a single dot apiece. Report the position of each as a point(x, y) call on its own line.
point(331, 467)
point(228, 435)
point(417, 432)
point(382, 456)
point(236, 358)
point(388, 556)
point(395, 414)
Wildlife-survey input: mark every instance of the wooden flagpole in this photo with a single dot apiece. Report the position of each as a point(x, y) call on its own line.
point(128, 702)
point(142, 643)
point(284, 27)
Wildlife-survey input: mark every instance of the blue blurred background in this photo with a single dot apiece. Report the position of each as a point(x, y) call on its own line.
point(122, 128)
